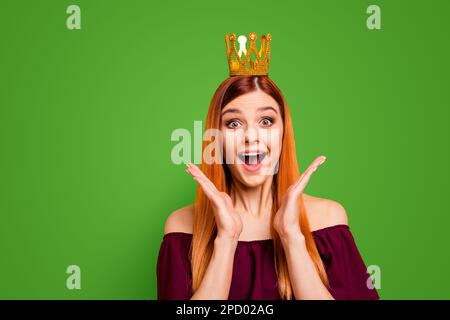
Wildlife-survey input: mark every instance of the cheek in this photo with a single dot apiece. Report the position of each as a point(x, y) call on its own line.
point(230, 142)
point(273, 138)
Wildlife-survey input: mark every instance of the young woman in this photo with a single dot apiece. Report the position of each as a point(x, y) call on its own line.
point(252, 232)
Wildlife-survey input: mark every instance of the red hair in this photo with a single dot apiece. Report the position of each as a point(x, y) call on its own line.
point(204, 228)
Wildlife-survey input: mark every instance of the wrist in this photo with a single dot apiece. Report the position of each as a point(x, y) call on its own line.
point(292, 238)
point(225, 243)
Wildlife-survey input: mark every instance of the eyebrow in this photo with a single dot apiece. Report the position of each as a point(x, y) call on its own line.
point(260, 109)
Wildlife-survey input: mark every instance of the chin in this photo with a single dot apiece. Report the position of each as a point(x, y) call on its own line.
point(251, 180)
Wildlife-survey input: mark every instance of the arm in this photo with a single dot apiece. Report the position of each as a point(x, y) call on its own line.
point(217, 279)
point(213, 286)
point(305, 279)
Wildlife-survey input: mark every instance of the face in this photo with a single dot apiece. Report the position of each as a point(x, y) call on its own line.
point(252, 129)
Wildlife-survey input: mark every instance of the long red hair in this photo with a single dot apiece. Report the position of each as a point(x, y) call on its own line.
point(204, 228)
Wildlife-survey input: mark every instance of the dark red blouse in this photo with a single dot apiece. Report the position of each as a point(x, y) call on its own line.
point(254, 275)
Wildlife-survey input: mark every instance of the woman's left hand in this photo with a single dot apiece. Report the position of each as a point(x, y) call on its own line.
point(287, 219)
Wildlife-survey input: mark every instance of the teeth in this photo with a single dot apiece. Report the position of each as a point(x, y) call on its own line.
point(252, 158)
point(250, 154)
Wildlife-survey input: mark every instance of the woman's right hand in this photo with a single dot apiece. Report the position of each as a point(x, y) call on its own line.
point(228, 221)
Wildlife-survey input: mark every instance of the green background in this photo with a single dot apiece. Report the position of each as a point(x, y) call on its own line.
point(86, 118)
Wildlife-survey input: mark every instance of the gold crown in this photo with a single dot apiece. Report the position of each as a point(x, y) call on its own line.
point(242, 64)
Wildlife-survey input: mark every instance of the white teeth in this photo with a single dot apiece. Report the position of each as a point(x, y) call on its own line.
point(252, 158)
point(251, 154)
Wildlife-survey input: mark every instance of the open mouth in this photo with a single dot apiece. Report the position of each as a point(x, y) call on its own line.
point(252, 158)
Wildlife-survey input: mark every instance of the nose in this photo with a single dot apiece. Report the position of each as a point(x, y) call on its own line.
point(251, 135)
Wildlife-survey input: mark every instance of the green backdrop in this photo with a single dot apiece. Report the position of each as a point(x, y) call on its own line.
point(87, 115)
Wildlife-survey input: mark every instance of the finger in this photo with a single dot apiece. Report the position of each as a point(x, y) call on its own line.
point(206, 184)
point(205, 187)
point(199, 173)
point(317, 162)
point(301, 183)
point(313, 166)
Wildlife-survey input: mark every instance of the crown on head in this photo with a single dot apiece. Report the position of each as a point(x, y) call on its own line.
point(240, 62)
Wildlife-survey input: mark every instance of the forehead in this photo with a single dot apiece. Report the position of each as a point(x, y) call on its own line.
point(251, 101)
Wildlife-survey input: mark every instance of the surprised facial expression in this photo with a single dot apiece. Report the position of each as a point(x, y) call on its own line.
point(252, 131)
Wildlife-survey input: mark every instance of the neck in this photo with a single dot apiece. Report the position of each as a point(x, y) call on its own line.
point(254, 201)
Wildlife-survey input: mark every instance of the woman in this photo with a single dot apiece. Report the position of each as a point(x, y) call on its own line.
point(252, 232)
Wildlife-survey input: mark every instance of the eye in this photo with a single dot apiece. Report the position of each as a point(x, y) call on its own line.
point(232, 124)
point(267, 122)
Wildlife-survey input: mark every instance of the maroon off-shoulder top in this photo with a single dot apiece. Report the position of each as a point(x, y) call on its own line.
point(254, 276)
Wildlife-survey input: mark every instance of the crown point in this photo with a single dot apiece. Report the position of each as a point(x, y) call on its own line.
point(232, 37)
point(252, 36)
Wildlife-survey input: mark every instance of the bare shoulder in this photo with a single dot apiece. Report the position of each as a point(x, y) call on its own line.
point(323, 213)
point(181, 220)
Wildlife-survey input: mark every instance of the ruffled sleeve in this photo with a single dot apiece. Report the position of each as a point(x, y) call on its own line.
point(173, 267)
point(347, 273)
